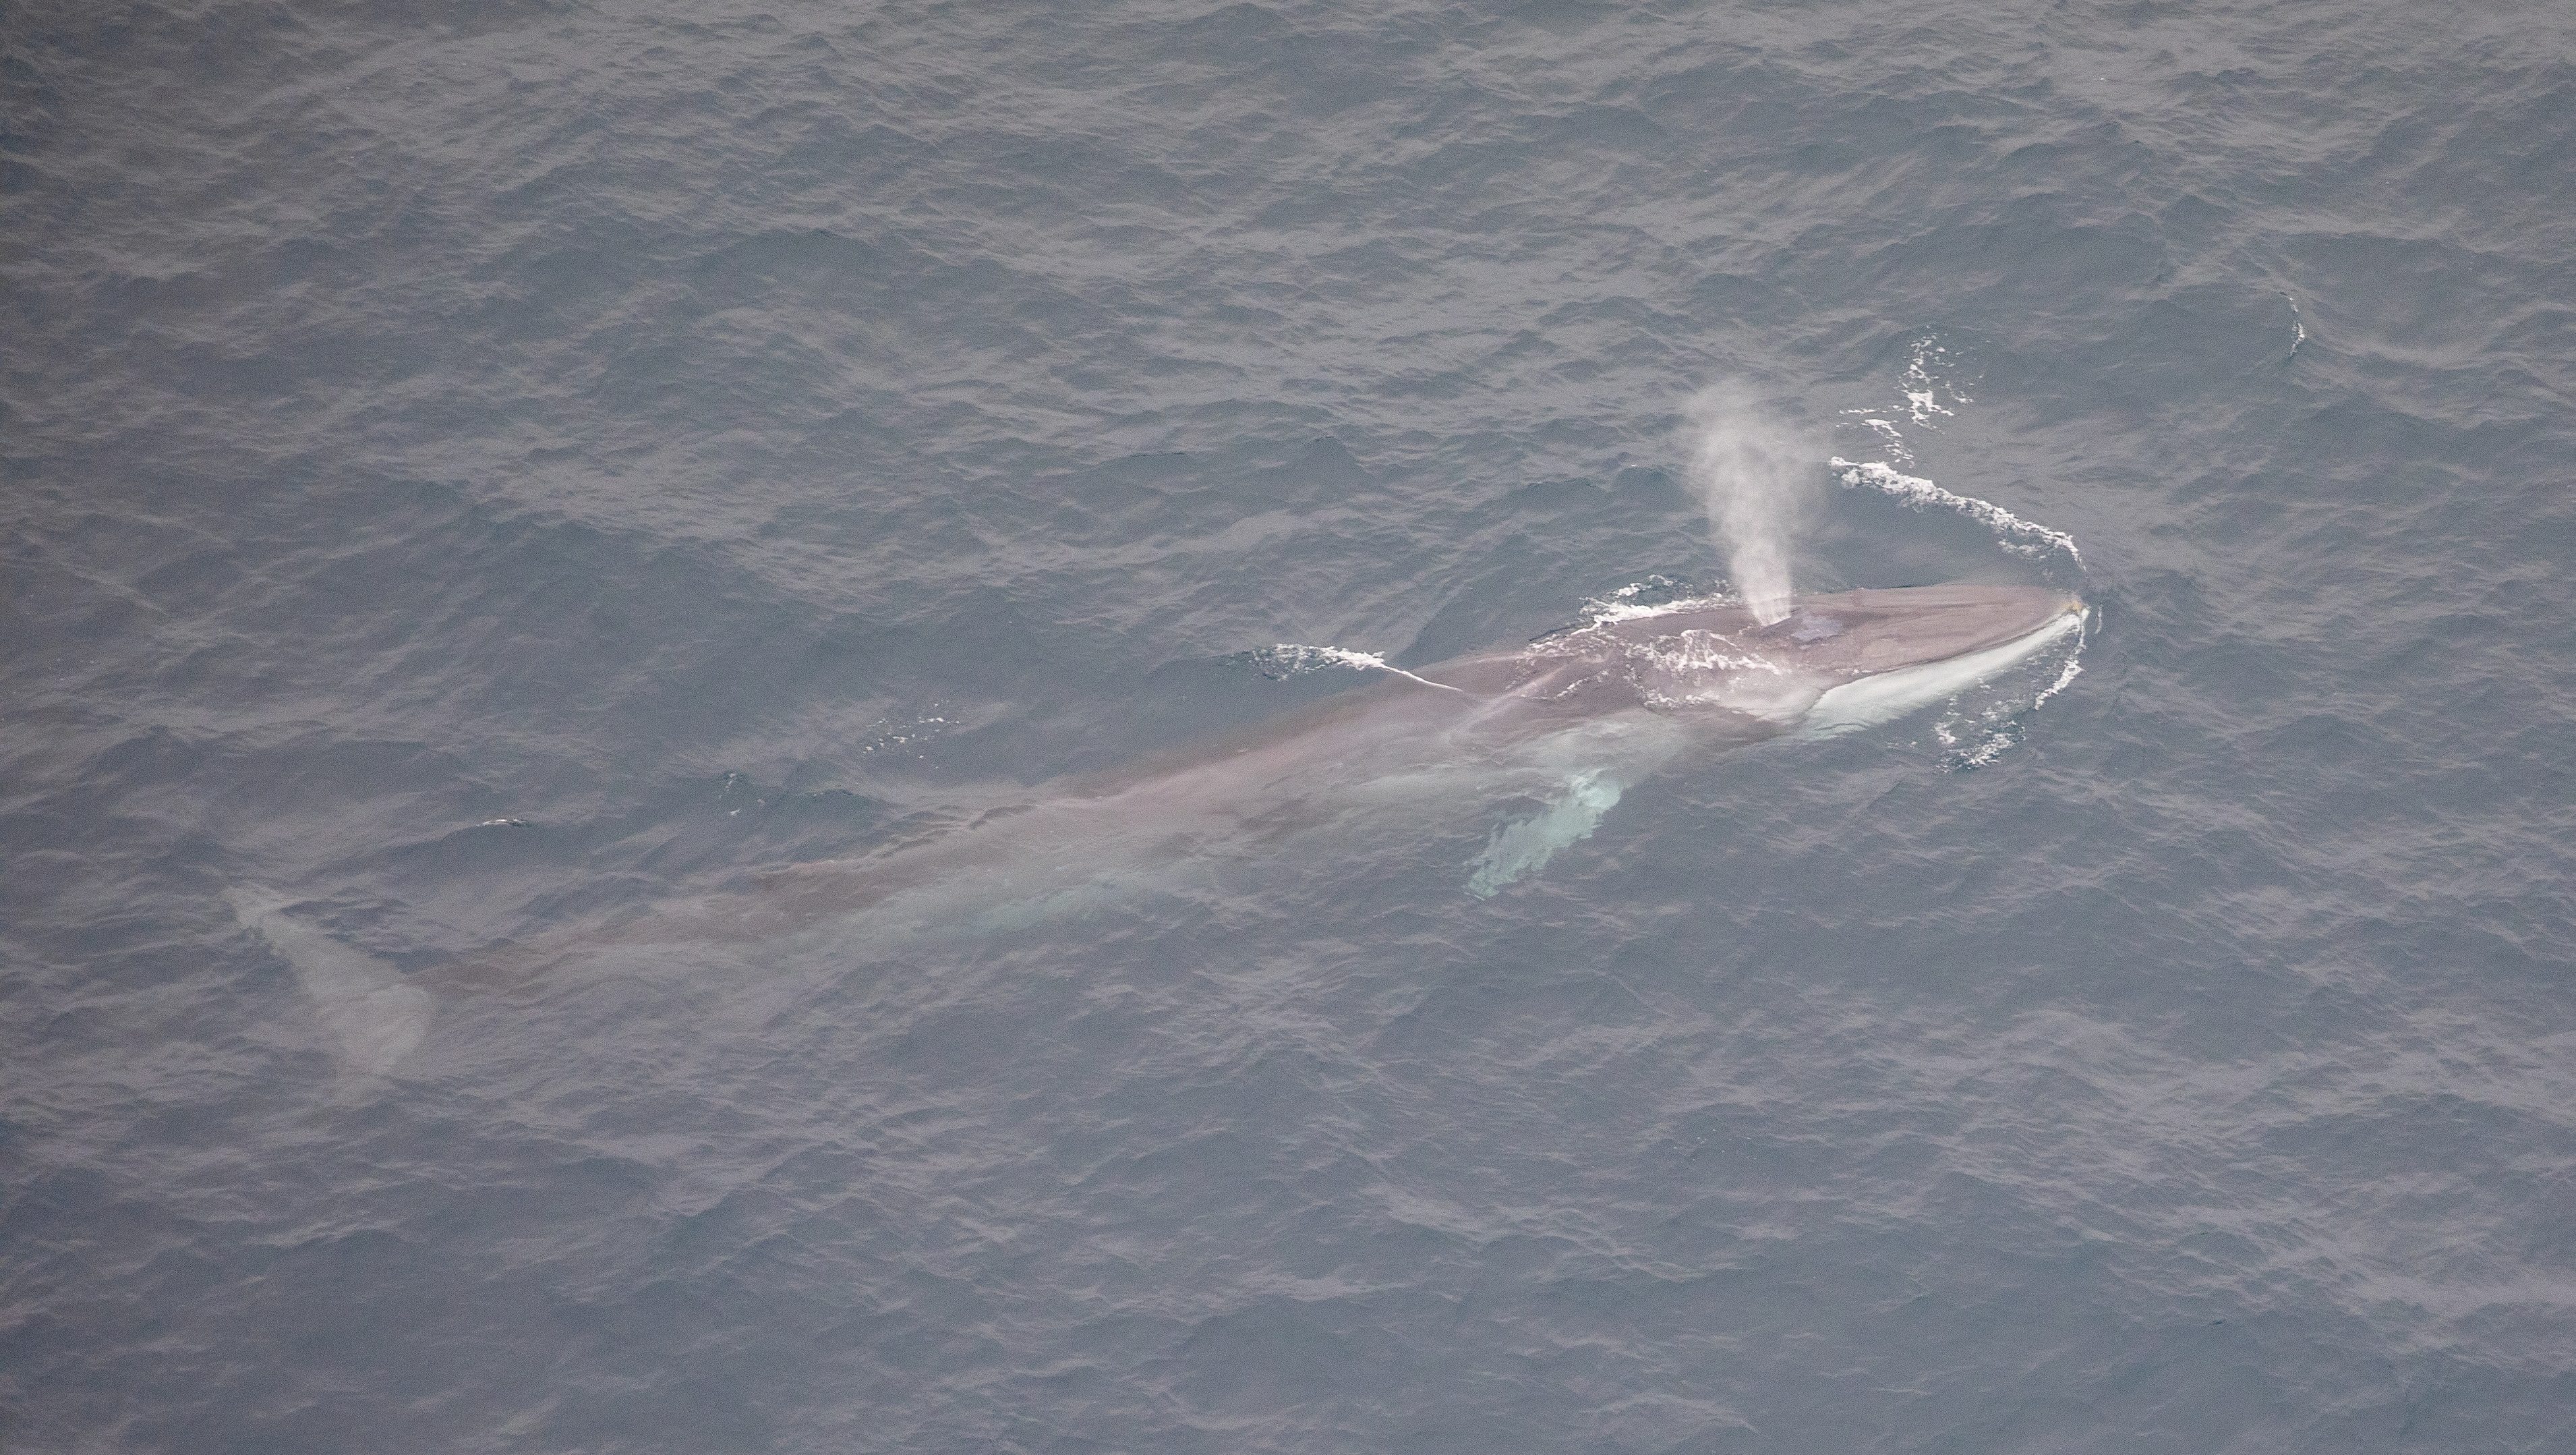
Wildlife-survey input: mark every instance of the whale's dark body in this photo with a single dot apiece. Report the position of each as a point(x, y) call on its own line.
point(1573, 718)
point(1570, 720)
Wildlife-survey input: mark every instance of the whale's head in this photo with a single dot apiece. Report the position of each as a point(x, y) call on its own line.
point(1854, 634)
point(1883, 654)
point(1835, 662)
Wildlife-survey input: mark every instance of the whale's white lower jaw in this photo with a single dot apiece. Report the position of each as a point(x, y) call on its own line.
point(1886, 696)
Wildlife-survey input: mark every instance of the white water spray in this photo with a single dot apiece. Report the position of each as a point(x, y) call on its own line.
point(1751, 474)
point(2012, 533)
point(1288, 659)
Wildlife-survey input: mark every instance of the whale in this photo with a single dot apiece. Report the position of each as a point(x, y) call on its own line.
point(1564, 726)
point(1567, 723)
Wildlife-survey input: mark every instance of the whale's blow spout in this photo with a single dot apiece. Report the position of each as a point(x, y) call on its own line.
point(1751, 475)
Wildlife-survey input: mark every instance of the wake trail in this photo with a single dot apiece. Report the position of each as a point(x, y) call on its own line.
point(1292, 658)
point(2013, 533)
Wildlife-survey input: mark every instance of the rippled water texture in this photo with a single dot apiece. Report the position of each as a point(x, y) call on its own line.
point(476, 474)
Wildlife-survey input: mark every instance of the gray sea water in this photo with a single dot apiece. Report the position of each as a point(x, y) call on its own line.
point(475, 472)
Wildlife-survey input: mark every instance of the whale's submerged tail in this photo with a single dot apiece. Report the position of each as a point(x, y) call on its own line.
point(1573, 720)
point(373, 1015)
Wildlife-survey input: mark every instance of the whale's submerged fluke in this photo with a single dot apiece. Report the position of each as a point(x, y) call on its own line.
point(372, 1014)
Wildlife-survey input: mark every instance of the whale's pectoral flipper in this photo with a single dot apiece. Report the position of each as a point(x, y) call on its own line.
point(1523, 847)
point(375, 1017)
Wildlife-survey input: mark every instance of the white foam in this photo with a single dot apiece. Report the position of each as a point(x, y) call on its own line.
point(1893, 437)
point(1298, 658)
point(2033, 538)
point(1919, 387)
point(2065, 679)
point(1607, 611)
point(1998, 728)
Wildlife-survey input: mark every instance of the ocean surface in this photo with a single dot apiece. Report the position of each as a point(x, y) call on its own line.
point(474, 474)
